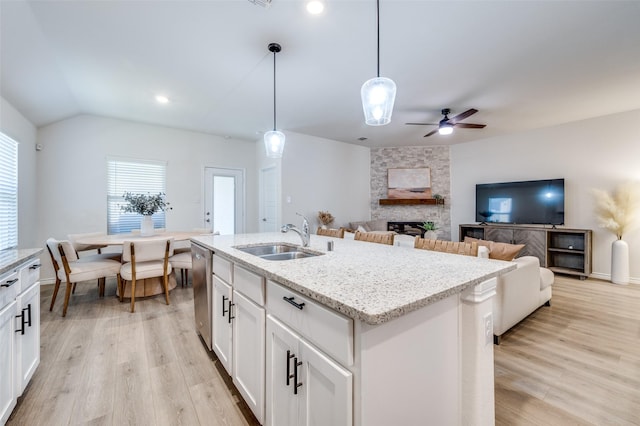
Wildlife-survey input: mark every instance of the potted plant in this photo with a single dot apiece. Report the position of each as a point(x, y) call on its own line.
point(430, 230)
point(145, 205)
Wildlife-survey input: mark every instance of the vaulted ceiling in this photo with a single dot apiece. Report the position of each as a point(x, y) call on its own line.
point(522, 64)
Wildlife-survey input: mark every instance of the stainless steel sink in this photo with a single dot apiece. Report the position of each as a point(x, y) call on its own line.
point(278, 251)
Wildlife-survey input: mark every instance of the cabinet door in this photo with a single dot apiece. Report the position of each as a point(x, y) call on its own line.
point(282, 348)
point(222, 319)
point(326, 390)
point(28, 339)
point(248, 352)
point(500, 235)
point(8, 396)
point(534, 241)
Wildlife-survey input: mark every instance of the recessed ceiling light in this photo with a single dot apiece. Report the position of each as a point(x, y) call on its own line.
point(315, 7)
point(162, 99)
point(362, 138)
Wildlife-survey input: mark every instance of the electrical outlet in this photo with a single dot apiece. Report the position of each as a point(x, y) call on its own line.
point(488, 329)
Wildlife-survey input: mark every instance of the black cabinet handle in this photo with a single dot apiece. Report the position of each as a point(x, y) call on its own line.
point(36, 266)
point(22, 322)
point(230, 315)
point(289, 375)
point(9, 283)
point(224, 309)
point(28, 309)
point(296, 385)
point(291, 301)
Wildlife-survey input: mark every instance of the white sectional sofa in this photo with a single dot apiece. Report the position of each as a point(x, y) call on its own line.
point(519, 293)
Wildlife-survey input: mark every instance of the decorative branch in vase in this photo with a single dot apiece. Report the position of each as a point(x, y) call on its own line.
point(325, 218)
point(618, 212)
point(145, 205)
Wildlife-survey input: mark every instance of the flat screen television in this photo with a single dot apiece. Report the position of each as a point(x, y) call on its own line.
point(538, 202)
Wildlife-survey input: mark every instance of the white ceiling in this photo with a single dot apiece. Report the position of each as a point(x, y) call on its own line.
point(522, 64)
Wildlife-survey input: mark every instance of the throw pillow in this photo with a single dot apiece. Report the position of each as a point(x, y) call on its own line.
point(363, 224)
point(500, 251)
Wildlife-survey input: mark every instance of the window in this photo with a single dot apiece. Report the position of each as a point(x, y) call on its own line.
point(8, 192)
point(138, 177)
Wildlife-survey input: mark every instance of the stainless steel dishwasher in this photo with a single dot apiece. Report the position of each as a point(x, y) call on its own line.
point(201, 258)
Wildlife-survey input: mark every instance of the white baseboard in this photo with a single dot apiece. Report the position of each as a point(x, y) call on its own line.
point(607, 277)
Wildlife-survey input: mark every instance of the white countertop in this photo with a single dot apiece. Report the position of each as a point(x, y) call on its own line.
point(365, 281)
point(9, 259)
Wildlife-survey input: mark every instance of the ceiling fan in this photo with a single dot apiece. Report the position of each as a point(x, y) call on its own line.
point(446, 125)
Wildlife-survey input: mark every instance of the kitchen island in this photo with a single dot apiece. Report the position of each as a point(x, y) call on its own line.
point(366, 334)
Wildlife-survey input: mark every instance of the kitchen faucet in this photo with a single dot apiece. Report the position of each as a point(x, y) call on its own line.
point(304, 233)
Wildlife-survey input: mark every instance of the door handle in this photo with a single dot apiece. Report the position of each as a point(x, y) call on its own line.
point(289, 375)
point(296, 385)
point(224, 310)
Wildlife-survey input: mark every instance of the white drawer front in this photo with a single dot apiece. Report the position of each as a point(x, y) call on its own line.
point(30, 273)
point(223, 269)
point(331, 331)
point(9, 288)
point(249, 284)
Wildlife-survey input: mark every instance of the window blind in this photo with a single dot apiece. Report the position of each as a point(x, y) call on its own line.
point(8, 192)
point(138, 177)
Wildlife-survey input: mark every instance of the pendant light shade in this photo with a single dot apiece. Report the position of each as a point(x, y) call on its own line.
point(274, 139)
point(379, 93)
point(274, 143)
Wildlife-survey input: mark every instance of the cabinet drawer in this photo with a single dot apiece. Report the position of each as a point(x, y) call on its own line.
point(249, 284)
point(9, 290)
point(29, 273)
point(330, 331)
point(223, 269)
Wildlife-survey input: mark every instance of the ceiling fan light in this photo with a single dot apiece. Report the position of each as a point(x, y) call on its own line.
point(445, 129)
point(274, 143)
point(378, 96)
point(315, 7)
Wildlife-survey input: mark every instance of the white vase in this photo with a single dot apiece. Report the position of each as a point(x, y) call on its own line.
point(431, 235)
point(620, 262)
point(146, 226)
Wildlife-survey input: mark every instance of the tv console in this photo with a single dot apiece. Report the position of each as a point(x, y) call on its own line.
point(563, 250)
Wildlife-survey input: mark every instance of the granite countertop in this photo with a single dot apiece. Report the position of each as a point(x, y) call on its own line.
point(9, 259)
point(365, 281)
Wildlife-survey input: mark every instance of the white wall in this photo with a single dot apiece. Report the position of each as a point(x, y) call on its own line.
point(596, 153)
point(18, 128)
point(322, 174)
point(72, 172)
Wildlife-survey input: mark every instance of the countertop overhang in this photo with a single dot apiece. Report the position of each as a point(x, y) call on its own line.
point(11, 258)
point(371, 282)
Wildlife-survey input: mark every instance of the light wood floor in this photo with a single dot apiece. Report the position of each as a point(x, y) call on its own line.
point(575, 363)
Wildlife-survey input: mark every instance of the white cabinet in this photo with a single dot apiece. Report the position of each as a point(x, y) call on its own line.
point(222, 321)
point(27, 335)
point(8, 395)
point(304, 386)
point(238, 323)
point(248, 352)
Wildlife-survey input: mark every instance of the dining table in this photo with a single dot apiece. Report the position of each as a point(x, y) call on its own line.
point(150, 286)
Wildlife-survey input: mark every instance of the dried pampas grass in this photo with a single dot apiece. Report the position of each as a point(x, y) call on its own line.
point(618, 211)
point(325, 218)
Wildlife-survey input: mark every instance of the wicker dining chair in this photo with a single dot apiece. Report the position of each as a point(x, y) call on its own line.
point(374, 237)
point(336, 233)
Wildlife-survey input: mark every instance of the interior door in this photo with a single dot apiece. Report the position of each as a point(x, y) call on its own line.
point(269, 199)
point(224, 200)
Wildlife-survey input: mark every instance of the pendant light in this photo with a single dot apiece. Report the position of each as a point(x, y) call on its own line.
point(274, 140)
point(379, 93)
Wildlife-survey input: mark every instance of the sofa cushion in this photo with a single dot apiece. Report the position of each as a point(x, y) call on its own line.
point(546, 278)
point(499, 251)
point(363, 224)
point(377, 225)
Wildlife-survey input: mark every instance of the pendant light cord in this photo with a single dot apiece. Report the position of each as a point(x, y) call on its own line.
point(274, 90)
point(378, 25)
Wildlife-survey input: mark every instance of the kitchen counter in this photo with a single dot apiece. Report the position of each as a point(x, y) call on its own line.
point(9, 259)
point(374, 283)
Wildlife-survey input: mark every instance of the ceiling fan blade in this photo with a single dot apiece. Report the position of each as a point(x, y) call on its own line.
point(431, 132)
point(470, 125)
point(422, 124)
point(463, 115)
